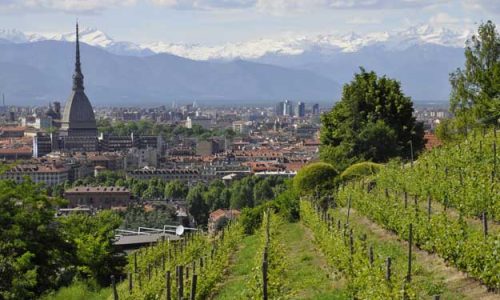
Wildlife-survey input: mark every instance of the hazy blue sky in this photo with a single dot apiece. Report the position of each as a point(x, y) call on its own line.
point(216, 21)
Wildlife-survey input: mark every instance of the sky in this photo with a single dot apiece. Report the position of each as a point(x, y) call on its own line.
point(211, 22)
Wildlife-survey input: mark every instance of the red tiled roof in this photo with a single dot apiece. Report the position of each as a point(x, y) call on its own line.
point(431, 141)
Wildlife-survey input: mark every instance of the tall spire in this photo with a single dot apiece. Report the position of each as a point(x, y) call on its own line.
point(77, 76)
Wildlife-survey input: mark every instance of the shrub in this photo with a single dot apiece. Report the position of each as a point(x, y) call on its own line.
point(360, 170)
point(313, 177)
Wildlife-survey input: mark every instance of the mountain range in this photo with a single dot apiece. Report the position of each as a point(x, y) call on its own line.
point(37, 67)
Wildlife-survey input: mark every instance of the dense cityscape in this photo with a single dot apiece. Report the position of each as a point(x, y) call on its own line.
point(371, 195)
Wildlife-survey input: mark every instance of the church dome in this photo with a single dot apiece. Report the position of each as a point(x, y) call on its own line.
point(78, 112)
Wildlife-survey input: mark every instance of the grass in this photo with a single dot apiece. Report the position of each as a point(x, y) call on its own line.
point(307, 273)
point(235, 284)
point(78, 291)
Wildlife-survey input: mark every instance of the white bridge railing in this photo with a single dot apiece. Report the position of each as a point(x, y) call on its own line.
point(177, 230)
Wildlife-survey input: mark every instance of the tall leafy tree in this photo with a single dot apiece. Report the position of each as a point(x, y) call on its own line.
point(34, 256)
point(176, 189)
point(96, 259)
point(475, 96)
point(373, 121)
point(197, 206)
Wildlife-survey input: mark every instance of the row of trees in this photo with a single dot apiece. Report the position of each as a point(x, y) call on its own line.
point(201, 198)
point(167, 131)
point(141, 189)
point(245, 193)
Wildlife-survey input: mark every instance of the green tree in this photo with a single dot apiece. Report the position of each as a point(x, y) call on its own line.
point(197, 206)
point(263, 191)
point(242, 194)
point(475, 95)
point(176, 189)
point(371, 108)
point(34, 257)
point(213, 194)
point(96, 257)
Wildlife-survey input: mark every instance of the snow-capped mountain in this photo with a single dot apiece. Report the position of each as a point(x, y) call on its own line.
point(255, 49)
point(91, 36)
point(322, 43)
point(421, 58)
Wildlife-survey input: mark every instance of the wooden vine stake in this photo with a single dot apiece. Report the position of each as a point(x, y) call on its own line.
point(192, 296)
point(180, 283)
point(113, 284)
point(410, 243)
point(130, 284)
point(135, 262)
point(388, 263)
point(351, 242)
point(370, 255)
point(494, 156)
point(264, 275)
point(348, 210)
point(139, 279)
point(429, 206)
point(485, 224)
point(169, 285)
point(415, 202)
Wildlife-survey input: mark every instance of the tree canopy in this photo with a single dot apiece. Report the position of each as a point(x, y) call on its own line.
point(373, 121)
point(475, 95)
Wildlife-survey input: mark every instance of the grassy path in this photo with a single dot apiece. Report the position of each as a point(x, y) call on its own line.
point(241, 265)
point(307, 272)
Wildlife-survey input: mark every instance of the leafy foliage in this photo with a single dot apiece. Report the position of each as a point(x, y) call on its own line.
point(167, 131)
point(176, 189)
point(32, 250)
point(277, 286)
point(453, 239)
point(373, 121)
point(96, 258)
point(475, 96)
point(462, 175)
point(315, 176)
point(136, 216)
point(361, 170)
point(153, 263)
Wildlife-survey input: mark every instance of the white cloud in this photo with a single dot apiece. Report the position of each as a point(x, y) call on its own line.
point(284, 6)
point(76, 6)
point(364, 21)
point(205, 4)
point(345, 4)
point(443, 19)
point(492, 6)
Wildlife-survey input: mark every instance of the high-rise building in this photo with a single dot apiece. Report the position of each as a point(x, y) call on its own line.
point(280, 108)
point(300, 110)
point(288, 108)
point(315, 109)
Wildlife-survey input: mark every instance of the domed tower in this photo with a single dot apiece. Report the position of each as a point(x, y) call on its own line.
point(78, 117)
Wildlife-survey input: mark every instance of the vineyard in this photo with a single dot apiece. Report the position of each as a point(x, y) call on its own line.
point(422, 230)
